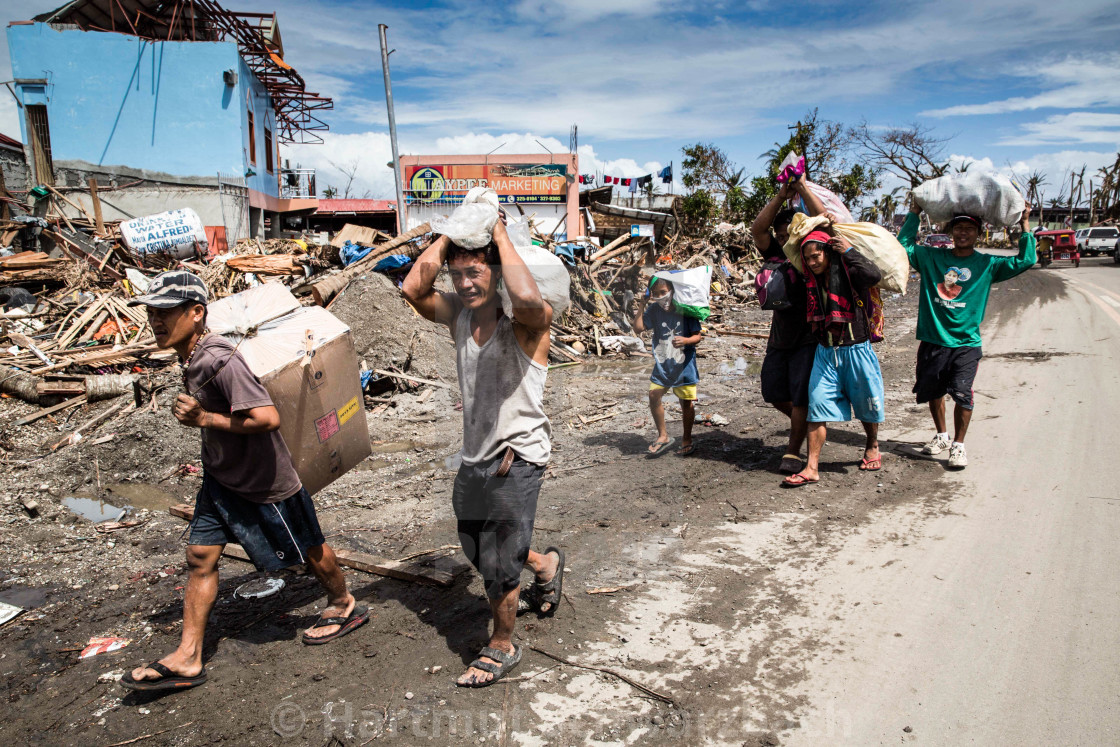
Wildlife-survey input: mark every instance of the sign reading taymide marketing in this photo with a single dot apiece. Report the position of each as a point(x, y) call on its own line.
point(514, 182)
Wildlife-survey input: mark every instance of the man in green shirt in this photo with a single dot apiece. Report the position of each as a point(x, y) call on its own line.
point(954, 294)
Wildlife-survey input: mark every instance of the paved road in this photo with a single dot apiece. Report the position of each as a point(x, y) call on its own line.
point(997, 622)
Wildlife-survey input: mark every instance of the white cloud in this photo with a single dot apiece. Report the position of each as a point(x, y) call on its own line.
point(1069, 129)
point(369, 151)
point(582, 11)
point(1075, 82)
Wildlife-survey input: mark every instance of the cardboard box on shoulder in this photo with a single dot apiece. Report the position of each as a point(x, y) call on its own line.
point(306, 359)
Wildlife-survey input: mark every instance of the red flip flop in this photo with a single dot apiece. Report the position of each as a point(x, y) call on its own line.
point(798, 480)
point(871, 465)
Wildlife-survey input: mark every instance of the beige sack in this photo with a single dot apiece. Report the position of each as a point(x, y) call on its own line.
point(871, 240)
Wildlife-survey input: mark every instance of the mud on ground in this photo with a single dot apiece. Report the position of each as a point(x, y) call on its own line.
point(706, 552)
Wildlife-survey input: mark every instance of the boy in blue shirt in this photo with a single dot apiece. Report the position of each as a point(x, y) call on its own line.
point(674, 363)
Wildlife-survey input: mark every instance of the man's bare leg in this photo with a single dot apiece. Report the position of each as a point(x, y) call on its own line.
point(786, 408)
point(961, 419)
point(937, 410)
point(871, 447)
point(504, 610)
point(798, 428)
point(201, 593)
point(818, 432)
point(323, 564)
point(657, 410)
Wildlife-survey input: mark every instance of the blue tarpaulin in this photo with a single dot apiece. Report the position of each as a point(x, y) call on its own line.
point(392, 262)
point(351, 252)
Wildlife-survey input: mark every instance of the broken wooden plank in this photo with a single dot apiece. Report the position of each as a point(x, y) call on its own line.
point(416, 379)
point(51, 410)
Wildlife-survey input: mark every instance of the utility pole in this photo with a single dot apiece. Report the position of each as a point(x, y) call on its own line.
point(397, 175)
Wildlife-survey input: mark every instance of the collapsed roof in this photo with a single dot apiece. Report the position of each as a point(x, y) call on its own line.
point(257, 36)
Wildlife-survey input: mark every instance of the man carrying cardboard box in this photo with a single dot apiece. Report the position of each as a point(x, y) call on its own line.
point(250, 491)
point(502, 363)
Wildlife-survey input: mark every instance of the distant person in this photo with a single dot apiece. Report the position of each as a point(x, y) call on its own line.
point(846, 377)
point(250, 495)
point(502, 363)
point(949, 316)
point(675, 337)
point(791, 346)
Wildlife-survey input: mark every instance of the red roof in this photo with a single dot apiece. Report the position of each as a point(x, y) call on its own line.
point(357, 206)
point(10, 142)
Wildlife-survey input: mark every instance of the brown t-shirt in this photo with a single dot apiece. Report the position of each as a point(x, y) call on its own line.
point(256, 466)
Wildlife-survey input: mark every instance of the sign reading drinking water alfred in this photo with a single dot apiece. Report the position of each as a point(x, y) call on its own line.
point(177, 233)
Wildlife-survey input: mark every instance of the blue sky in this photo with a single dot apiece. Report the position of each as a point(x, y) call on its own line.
point(1020, 85)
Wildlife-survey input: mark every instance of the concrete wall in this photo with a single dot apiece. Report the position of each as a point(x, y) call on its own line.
point(162, 107)
point(17, 176)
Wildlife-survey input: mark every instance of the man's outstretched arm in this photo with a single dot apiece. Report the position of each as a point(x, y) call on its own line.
point(419, 286)
point(1008, 267)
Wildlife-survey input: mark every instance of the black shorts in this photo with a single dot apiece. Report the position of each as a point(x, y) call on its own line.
point(943, 370)
point(496, 516)
point(275, 535)
point(786, 373)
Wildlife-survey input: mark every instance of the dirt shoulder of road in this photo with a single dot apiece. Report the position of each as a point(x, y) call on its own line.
point(699, 549)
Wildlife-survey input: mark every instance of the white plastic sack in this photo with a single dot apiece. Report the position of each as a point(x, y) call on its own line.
point(692, 290)
point(832, 203)
point(471, 225)
point(551, 276)
point(871, 240)
point(988, 196)
point(177, 233)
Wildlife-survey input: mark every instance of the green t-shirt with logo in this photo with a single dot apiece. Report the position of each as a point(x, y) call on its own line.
point(955, 290)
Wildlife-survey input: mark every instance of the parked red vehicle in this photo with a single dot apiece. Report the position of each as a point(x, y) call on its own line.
point(1057, 246)
point(939, 241)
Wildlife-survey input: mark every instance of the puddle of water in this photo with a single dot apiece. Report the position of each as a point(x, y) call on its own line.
point(393, 447)
point(92, 508)
point(141, 495)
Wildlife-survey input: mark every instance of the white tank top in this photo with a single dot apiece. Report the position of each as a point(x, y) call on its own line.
point(503, 395)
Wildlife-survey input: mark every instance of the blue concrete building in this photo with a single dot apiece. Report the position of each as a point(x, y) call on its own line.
point(181, 100)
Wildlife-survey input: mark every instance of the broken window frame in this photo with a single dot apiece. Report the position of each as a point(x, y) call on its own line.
point(39, 134)
point(252, 139)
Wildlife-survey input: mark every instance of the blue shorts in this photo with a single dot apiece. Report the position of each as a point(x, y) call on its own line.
point(275, 535)
point(846, 379)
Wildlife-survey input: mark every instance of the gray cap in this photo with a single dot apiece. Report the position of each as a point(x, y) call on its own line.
point(171, 289)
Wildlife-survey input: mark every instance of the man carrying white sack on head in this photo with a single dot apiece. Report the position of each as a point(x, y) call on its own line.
point(502, 360)
point(954, 295)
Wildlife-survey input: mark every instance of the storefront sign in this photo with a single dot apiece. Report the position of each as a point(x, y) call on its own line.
point(514, 182)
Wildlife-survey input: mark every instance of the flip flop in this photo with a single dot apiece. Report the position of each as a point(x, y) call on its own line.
point(686, 450)
point(358, 617)
point(871, 465)
point(661, 448)
point(797, 481)
point(168, 680)
point(791, 464)
point(506, 663)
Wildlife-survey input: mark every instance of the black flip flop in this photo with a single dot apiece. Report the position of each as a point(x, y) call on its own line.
point(168, 680)
point(661, 449)
point(358, 617)
point(505, 665)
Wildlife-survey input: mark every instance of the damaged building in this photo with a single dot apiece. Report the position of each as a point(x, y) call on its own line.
point(167, 104)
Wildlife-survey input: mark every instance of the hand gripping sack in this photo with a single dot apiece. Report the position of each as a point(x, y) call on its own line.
point(692, 290)
point(990, 197)
point(831, 202)
point(771, 288)
point(871, 240)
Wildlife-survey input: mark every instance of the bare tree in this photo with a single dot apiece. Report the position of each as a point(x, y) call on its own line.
point(912, 153)
point(349, 170)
